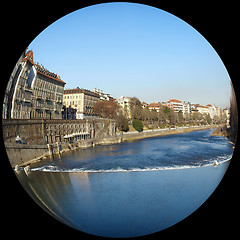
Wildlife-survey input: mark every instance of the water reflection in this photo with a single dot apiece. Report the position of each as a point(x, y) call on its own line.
point(122, 204)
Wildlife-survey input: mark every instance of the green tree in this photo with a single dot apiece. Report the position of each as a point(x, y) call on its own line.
point(166, 110)
point(138, 125)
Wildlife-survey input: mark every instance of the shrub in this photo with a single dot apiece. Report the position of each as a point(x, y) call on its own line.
point(138, 125)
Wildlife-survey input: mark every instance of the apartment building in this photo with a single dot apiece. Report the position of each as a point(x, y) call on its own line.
point(155, 106)
point(125, 104)
point(186, 107)
point(202, 109)
point(33, 92)
point(103, 96)
point(82, 100)
point(175, 104)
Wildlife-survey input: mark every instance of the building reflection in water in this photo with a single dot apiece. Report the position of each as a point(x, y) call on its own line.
point(50, 191)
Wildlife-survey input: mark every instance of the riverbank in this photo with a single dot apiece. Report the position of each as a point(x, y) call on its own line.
point(165, 131)
point(23, 155)
point(224, 132)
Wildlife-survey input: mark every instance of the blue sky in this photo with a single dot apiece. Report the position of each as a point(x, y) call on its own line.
point(129, 49)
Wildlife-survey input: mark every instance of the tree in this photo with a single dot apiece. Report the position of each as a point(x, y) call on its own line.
point(135, 108)
point(163, 114)
point(208, 118)
point(180, 116)
point(172, 117)
point(122, 123)
point(106, 109)
point(166, 110)
point(145, 114)
point(138, 125)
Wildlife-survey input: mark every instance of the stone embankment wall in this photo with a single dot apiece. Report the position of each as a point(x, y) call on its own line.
point(43, 131)
point(19, 154)
point(46, 136)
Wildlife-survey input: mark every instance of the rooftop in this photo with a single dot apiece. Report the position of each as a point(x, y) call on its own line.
point(154, 104)
point(174, 100)
point(200, 106)
point(40, 69)
point(80, 90)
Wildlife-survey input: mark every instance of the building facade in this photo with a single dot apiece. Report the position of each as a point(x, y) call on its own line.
point(34, 92)
point(125, 104)
point(226, 113)
point(203, 109)
point(9, 91)
point(155, 106)
point(175, 104)
point(186, 108)
point(82, 100)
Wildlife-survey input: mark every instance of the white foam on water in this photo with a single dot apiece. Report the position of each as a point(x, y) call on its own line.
point(52, 168)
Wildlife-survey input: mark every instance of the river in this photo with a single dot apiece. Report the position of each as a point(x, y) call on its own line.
point(132, 188)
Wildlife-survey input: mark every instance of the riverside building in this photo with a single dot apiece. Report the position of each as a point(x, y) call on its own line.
point(78, 103)
point(175, 104)
point(33, 92)
point(155, 106)
point(125, 104)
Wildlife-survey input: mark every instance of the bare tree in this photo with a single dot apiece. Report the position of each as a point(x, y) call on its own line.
point(106, 109)
point(135, 108)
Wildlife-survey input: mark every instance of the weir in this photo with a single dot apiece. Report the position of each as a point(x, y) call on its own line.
point(50, 168)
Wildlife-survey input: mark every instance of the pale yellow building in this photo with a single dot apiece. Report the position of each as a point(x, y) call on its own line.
point(125, 104)
point(80, 100)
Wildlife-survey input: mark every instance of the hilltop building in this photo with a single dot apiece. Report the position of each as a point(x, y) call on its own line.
point(186, 108)
point(33, 91)
point(155, 106)
point(78, 103)
point(212, 110)
point(125, 104)
point(175, 104)
point(103, 96)
point(203, 109)
point(144, 104)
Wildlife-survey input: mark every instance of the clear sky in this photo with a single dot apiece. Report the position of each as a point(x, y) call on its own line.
point(129, 49)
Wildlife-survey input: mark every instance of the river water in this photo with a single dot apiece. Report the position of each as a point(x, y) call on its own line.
point(133, 188)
